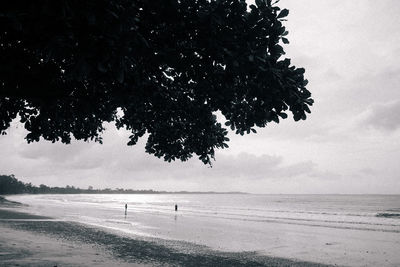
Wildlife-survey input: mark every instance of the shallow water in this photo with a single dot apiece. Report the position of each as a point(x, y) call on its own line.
point(355, 230)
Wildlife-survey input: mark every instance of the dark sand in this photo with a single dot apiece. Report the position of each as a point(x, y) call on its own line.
point(30, 240)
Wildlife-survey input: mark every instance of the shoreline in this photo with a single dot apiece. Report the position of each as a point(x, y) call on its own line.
point(70, 244)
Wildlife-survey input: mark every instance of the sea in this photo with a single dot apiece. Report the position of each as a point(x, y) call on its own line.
point(349, 230)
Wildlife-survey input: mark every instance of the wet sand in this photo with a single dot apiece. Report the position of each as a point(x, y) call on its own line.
point(30, 240)
point(22, 248)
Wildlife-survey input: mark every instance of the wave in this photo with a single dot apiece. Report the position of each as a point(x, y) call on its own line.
point(327, 217)
point(333, 222)
point(388, 215)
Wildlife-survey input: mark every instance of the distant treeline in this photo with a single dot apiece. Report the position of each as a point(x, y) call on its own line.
point(11, 185)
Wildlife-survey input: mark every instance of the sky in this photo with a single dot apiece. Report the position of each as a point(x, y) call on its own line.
point(350, 144)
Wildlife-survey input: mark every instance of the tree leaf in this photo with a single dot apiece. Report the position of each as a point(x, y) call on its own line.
point(283, 13)
point(284, 40)
point(283, 115)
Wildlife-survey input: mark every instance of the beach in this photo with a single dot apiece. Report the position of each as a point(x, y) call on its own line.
point(32, 240)
point(22, 245)
point(92, 230)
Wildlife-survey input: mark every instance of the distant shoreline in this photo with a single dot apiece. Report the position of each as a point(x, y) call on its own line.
point(134, 192)
point(9, 185)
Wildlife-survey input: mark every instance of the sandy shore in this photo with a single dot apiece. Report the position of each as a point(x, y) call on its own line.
point(29, 240)
point(20, 246)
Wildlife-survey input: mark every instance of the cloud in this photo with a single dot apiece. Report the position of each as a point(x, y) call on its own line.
point(383, 116)
point(114, 164)
point(53, 152)
point(261, 167)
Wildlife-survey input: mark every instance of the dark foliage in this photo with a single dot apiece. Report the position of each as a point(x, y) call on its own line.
point(11, 185)
point(67, 66)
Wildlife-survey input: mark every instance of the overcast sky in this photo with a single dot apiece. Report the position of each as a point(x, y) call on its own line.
point(349, 144)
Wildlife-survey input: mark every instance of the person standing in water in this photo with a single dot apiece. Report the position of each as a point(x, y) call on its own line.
point(126, 208)
point(176, 207)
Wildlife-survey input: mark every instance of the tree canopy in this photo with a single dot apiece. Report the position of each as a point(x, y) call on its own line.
point(161, 68)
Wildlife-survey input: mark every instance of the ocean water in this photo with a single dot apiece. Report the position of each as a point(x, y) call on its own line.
point(353, 230)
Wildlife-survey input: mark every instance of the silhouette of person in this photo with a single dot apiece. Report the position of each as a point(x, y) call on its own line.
point(126, 208)
point(176, 207)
